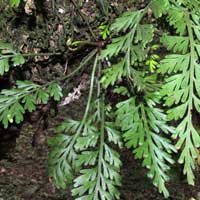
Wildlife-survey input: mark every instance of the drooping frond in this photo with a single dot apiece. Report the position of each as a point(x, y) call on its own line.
point(65, 145)
point(15, 102)
point(84, 148)
point(132, 46)
point(181, 90)
point(99, 179)
point(143, 125)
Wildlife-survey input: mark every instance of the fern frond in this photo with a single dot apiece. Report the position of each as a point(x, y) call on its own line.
point(181, 90)
point(100, 179)
point(127, 21)
point(140, 34)
point(15, 102)
point(144, 34)
point(62, 159)
point(138, 53)
point(174, 63)
point(118, 71)
point(142, 125)
point(132, 46)
point(119, 44)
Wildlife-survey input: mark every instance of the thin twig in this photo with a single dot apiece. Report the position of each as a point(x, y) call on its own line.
point(29, 55)
point(41, 54)
point(83, 17)
point(89, 57)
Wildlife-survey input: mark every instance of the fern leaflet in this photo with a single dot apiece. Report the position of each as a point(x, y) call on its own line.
point(8, 54)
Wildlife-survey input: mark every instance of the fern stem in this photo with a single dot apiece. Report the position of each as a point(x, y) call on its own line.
point(84, 42)
point(89, 57)
point(152, 148)
point(91, 89)
point(100, 148)
point(148, 136)
point(191, 93)
point(192, 62)
point(29, 55)
point(99, 91)
point(88, 104)
point(101, 118)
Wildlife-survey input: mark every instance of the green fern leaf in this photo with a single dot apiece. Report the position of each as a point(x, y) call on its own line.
point(113, 134)
point(42, 96)
point(127, 21)
point(17, 112)
point(174, 62)
point(138, 53)
point(4, 66)
point(142, 124)
point(100, 178)
point(62, 157)
point(192, 4)
point(7, 54)
point(18, 60)
point(138, 33)
point(112, 74)
point(120, 44)
point(121, 90)
point(144, 33)
point(176, 18)
point(133, 46)
point(14, 102)
point(29, 103)
point(55, 91)
point(99, 182)
point(179, 90)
